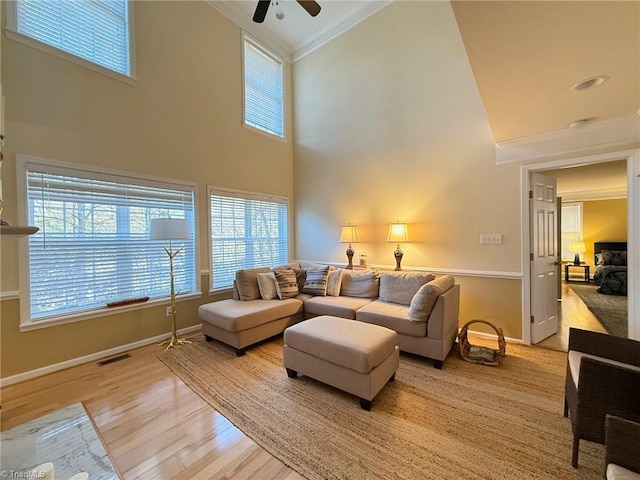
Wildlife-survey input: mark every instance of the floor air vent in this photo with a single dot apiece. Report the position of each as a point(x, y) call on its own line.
point(113, 359)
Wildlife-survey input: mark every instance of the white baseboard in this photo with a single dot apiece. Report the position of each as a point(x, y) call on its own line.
point(38, 372)
point(493, 335)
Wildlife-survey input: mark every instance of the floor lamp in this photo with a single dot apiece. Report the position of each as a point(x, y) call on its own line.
point(171, 229)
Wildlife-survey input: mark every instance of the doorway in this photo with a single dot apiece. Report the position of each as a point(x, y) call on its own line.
point(632, 160)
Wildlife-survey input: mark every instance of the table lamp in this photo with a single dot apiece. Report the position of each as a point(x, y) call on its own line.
point(577, 248)
point(171, 229)
point(398, 233)
point(349, 234)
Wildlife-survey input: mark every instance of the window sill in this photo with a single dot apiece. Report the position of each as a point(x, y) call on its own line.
point(266, 134)
point(103, 312)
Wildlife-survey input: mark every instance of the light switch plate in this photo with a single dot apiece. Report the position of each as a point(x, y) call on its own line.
point(490, 238)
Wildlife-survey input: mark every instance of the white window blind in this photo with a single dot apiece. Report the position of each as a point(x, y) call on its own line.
point(93, 245)
point(247, 231)
point(571, 227)
point(263, 90)
point(96, 30)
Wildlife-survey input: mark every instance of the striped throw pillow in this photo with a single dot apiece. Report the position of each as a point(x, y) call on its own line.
point(316, 281)
point(287, 283)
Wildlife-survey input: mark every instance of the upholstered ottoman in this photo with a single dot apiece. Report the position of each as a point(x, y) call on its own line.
point(356, 357)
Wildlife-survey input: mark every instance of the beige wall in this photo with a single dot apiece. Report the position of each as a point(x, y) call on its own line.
point(389, 126)
point(182, 120)
point(603, 221)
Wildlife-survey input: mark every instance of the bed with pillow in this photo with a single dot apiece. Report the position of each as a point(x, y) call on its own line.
point(611, 267)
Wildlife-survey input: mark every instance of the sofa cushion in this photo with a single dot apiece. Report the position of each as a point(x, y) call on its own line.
point(400, 287)
point(423, 301)
point(247, 283)
point(574, 363)
point(268, 286)
point(360, 284)
point(334, 282)
point(393, 316)
point(344, 307)
point(287, 283)
point(316, 281)
point(353, 345)
point(235, 316)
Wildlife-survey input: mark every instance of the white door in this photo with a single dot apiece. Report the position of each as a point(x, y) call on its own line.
point(544, 257)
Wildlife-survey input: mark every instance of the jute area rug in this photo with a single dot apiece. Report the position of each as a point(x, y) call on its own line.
point(465, 421)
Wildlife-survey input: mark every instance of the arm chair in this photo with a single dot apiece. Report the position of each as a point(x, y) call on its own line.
point(622, 448)
point(603, 377)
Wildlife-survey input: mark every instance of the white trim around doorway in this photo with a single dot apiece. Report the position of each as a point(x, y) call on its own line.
point(633, 231)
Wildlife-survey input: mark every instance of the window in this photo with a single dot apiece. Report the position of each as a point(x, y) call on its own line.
point(263, 89)
point(95, 30)
point(571, 227)
point(93, 245)
point(247, 230)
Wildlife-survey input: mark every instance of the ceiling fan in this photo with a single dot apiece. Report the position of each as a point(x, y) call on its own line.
point(310, 6)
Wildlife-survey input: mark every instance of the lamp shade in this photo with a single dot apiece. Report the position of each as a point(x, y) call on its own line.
point(169, 229)
point(577, 247)
point(398, 233)
point(349, 234)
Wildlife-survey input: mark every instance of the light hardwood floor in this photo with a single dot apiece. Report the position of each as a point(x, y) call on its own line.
point(152, 425)
point(572, 313)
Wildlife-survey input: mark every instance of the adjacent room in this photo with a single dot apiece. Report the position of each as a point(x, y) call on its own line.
point(297, 239)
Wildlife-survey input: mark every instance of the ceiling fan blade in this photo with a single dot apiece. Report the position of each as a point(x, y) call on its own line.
point(310, 6)
point(261, 11)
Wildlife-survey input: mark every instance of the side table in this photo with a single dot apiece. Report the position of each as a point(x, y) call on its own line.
point(584, 266)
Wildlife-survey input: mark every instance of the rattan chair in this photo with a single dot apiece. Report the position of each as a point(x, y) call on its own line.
point(603, 388)
point(622, 443)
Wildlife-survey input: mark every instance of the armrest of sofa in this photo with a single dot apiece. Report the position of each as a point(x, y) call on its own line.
point(445, 313)
point(622, 443)
point(607, 346)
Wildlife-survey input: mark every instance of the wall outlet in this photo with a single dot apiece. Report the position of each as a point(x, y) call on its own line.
point(169, 312)
point(490, 238)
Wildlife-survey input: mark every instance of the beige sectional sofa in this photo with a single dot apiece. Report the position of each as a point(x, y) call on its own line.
point(421, 308)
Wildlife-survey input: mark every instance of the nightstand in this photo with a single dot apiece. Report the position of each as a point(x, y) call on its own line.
point(584, 266)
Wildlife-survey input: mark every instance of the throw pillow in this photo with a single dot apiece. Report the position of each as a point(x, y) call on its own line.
point(247, 283)
point(360, 284)
point(316, 281)
point(334, 282)
point(268, 286)
point(423, 301)
point(614, 257)
point(400, 287)
point(287, 283)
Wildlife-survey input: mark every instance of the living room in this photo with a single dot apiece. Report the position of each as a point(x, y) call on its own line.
point(383, 123)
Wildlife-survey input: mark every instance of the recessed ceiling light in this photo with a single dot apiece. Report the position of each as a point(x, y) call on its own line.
point(582, 122)
point(590, 82)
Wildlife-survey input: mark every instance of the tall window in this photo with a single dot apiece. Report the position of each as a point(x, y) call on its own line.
point(247, 230)
point(571, 227)
point(93, 245)
point(263, 89)
point(95, 30)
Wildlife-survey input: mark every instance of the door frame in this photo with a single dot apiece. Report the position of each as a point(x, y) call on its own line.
point(633, 231)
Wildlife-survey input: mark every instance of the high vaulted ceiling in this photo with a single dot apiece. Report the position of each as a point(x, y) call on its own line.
point(525, 55)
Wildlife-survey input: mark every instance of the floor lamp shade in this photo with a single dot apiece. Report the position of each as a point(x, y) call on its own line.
point(398, 233)
point(169, 229)
point(349, 234)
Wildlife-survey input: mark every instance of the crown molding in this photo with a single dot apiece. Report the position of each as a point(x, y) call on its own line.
point(238, 16)
point(590, 195)
point(341, 25)
point(614, 134)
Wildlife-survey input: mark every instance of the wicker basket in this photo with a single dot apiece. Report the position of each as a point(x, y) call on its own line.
point(481, 355)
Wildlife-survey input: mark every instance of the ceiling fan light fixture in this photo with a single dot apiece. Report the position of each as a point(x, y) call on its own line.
point(590, 82)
